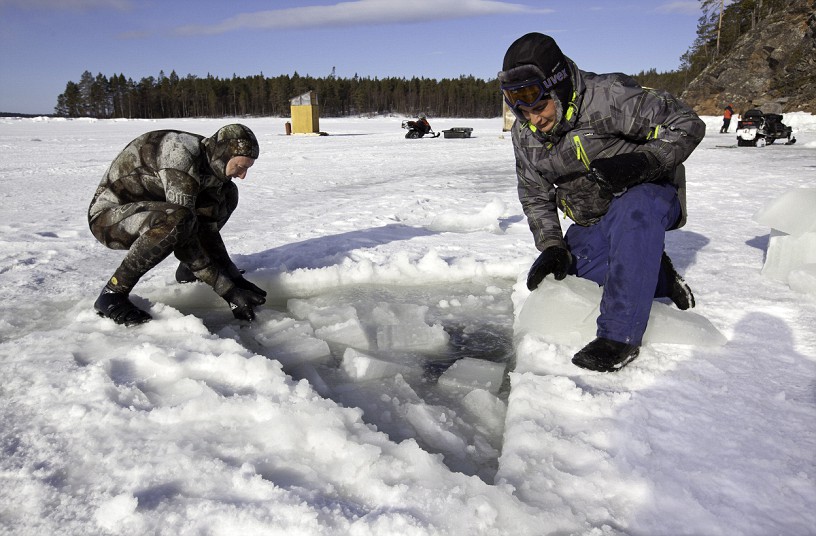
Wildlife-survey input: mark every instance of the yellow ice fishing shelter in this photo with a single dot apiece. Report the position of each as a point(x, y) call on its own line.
point(305, 114)
point(508, 116)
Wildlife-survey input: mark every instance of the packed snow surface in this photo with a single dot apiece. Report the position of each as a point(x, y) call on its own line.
point(401, 378)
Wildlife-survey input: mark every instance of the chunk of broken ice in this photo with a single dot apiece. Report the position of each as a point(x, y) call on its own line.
point(473, 373)
point(360, 366)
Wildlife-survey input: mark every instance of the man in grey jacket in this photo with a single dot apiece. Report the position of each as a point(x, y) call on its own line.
point(171, 192)
point(607, 153)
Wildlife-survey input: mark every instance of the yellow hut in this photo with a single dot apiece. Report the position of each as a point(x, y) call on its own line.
point(508, 116)
point(305, 114)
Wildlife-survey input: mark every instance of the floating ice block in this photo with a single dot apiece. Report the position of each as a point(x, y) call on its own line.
point(361, 367)
point(472, 373)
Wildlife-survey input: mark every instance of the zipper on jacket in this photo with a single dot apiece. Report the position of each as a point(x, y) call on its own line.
point(580, 153)
point(571, 106)
point(566, 210)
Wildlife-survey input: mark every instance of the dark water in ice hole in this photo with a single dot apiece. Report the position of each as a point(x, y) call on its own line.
point(478, 317)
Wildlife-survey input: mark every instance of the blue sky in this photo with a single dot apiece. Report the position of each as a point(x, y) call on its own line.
point(46, 43)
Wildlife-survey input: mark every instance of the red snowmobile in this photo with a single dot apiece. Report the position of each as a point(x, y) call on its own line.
point(419, 128)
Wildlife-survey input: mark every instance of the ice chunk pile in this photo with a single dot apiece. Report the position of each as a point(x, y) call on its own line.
point(791, 255)
point(294, 341)
point(385, 327)
point(332, 323)
point(403, 327)
point(386, 351)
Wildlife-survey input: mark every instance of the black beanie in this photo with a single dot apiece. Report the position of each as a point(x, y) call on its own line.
point(543, 52)
point(535, 49)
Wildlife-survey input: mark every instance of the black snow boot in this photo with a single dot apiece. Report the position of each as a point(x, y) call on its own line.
point(605, 355)
point(118, 307)
point(680, 292)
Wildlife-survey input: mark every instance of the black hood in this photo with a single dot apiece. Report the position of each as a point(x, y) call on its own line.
point(231, 140)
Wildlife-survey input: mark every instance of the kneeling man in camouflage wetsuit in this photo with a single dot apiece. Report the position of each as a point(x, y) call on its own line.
point(171, 192)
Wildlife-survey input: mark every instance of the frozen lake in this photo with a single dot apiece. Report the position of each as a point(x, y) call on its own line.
point(399, 380)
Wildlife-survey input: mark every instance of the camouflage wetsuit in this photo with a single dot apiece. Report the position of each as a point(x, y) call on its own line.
point(167, 192)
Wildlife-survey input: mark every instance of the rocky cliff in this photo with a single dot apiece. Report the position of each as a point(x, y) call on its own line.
point(773, 65)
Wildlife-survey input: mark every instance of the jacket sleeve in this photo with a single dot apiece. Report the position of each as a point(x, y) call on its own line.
point(538, 201)
point(664, 127)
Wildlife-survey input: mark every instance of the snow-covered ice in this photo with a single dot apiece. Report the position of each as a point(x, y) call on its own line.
point(401, 379)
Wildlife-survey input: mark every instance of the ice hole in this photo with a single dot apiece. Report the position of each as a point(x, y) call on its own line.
point(422, 362)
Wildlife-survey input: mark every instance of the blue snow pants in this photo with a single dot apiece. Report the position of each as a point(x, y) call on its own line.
point(622, 253)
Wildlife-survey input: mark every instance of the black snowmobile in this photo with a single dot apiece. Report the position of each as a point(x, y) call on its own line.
point(757, 129)
point(419, 128)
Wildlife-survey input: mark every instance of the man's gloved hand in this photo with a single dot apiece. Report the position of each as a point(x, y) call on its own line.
point(242, 283)
point(617, 173)
point(553, 260)
point(242, 301)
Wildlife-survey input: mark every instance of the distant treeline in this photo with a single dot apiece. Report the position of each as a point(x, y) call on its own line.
point(171, 96)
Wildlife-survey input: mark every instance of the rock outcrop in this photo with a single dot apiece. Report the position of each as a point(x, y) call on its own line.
point(772, 66)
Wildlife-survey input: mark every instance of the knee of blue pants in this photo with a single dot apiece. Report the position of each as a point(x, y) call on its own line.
point(628, 242)
point(590, 252)
point(635, 228)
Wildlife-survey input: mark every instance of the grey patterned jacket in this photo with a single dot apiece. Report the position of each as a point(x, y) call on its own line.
point(612, 114)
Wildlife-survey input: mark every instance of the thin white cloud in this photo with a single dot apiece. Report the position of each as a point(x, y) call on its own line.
point(362, 12)
point(68, 5)
point(685, 8)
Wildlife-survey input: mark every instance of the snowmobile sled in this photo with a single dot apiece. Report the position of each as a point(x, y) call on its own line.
point(419, 128)
point(756, 129)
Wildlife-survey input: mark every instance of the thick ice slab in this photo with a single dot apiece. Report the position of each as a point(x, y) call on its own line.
point(791, 255)
point(564, 312)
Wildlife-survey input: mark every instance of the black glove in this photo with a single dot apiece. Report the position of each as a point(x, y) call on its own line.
point(553, 260)
point(617, 173)
point(242, 283)
point(241, 301)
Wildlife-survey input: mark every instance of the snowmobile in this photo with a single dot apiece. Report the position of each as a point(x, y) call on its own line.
point(756, 129)
point(418, 129)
